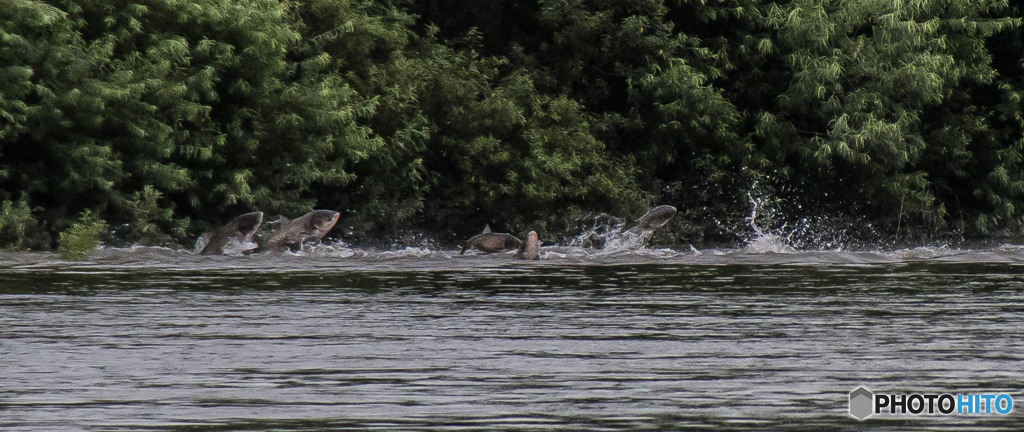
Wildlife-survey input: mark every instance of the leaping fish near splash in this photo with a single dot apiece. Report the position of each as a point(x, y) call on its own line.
point(490, 242)
point(311, 226)
point(241, 228)
point(652, 220)
point(530, 249)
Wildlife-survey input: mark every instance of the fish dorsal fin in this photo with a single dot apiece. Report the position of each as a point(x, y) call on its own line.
point(487, 228)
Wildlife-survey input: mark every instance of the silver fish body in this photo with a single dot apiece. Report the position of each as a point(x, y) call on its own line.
point(530, 249)
point(490, 242)
point(311, 226)
point(241, 228)
point(653, 219)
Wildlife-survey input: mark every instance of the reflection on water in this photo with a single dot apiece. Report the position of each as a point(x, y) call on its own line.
point(418, 339)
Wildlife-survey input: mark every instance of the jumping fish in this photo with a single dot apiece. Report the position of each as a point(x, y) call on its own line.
point(489, 242)
point(241, 228)
point(652, 220)
point(530, 250)
point(309, 227)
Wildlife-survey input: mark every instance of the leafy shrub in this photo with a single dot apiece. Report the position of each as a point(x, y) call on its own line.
point(82, 237)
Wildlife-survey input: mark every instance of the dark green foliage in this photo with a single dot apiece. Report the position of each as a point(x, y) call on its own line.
point(467, 139)
point(18, 228)
point(167, 118)
point(160, 113)
point(882, 107)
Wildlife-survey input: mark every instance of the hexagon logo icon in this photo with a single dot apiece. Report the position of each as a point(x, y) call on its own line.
point(860, 403)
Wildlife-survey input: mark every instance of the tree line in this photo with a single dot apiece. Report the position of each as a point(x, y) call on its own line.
point(164, 118)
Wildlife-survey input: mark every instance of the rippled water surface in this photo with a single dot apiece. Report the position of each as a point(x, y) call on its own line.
point(429, 340)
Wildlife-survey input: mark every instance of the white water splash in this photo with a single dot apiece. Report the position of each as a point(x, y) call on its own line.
point(235, 247)
point(763, 240)
point(412, 252)
point(604, 233)
point(627, 241)
point(773, 231)
point(201, 242)
point(334, 250)
point(595, 231)
point(342, 258)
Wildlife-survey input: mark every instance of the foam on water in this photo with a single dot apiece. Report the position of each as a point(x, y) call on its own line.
point(320, 250)
point(412, 252)
point(332, 258)
point(232, 247)
point(627, 241)
point(236, 248)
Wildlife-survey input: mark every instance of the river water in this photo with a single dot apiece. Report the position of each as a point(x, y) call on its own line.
point(415, 339)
